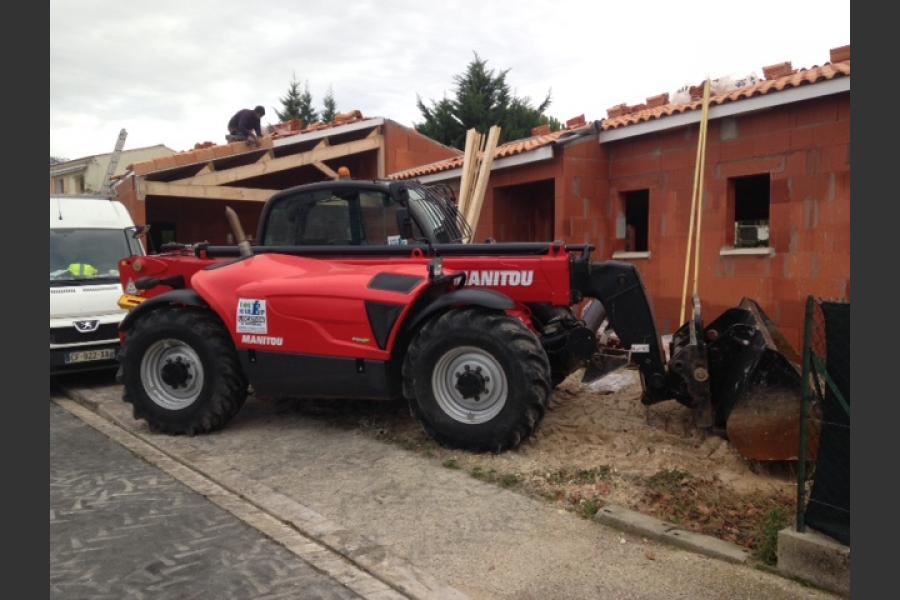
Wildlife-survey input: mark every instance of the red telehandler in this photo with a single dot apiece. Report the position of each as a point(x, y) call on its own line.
point(364, 289)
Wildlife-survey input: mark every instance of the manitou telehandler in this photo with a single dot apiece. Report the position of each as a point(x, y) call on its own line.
point(366, 289)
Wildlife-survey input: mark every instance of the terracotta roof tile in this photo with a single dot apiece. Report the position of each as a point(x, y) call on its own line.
point(508, 149)
point(801, 77)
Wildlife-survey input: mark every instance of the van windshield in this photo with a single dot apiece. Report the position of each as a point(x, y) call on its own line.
point(84, 256)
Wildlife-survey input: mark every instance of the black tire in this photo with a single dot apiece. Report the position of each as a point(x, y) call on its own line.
point(224, 386)
point(514, 349)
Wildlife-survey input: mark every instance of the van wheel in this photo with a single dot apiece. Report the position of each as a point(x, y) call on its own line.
point(479, 380)
point(181, 372)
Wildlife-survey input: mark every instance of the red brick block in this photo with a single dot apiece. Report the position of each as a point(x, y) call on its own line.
point(837, 132)
point(617, 111)
point(820, 110)
point(836, 158)
point(766, 121)
point(678, 159)
point(658, 100)
point(575, 122)
point(750, 166)
point(776, 142)
point(802, 138)
point(779, 70)
point(223, 150)
point(840, 54)
point(142, 168)
point(204, 154)
point(161, 164)
point(540, 130)
point(796, 164)
point(844, 108)
point(184, 158)
point(739, 149)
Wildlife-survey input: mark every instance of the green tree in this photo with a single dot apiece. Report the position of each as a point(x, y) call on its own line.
point(482, 98)
point(329, 106)
point(290, 104)
point(297, 104)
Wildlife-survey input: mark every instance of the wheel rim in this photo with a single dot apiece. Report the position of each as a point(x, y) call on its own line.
point(172, 374)
point(469, 385)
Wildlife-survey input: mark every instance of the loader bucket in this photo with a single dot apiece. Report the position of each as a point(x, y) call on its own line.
point(755, 384)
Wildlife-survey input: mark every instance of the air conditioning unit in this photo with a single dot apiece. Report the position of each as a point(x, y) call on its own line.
point(751, 234)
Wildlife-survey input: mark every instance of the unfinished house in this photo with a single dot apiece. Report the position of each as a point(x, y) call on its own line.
point(776, 192)
point(182, 197)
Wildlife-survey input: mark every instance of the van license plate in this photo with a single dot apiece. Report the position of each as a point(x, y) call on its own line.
point(90, 355)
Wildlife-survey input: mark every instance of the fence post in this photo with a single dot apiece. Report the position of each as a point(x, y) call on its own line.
point(804, 409)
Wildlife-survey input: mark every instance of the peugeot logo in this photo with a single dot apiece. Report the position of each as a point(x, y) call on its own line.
point(87, 326)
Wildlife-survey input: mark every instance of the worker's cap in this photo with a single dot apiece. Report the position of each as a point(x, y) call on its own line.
point(259, 110)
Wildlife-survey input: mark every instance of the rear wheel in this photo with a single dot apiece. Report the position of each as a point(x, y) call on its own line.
point(181, 372)
point(477, 380)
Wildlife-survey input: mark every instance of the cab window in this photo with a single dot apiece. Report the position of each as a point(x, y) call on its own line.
point(378, 213)
point(313, 219)
point(334, 217)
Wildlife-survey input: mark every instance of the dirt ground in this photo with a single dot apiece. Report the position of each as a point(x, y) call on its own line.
point(598, 444)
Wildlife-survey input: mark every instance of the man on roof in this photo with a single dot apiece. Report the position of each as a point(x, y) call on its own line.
point(244, 126)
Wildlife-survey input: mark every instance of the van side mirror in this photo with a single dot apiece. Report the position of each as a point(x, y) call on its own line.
point(404, 223)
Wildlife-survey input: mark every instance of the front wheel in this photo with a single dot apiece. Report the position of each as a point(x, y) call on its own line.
point(181, 373)
point(477, 380)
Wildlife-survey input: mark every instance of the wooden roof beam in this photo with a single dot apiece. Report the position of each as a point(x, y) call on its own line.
point(210, 192)
point(284, 163)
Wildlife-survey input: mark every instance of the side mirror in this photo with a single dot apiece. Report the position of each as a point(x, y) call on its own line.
point(404, 223)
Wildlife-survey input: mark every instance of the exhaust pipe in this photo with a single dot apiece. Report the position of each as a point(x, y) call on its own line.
point(235, 223)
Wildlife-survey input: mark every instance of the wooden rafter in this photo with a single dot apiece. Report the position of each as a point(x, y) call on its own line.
point(211, 192)
point(317, 154)
point(326, 169)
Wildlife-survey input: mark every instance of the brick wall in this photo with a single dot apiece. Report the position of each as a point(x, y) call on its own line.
point(126, 193)
point(493, 212)
point(198, 220)
point(804, 147)
point(406, 148)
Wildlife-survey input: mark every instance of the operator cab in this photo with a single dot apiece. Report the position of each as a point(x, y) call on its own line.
point(357, 213)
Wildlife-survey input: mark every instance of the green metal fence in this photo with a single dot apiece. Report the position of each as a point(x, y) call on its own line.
point(825, 415)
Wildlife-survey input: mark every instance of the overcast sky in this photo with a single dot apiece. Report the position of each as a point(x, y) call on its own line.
point(174, 72)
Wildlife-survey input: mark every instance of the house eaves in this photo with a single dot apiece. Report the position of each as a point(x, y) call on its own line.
point(749, 105)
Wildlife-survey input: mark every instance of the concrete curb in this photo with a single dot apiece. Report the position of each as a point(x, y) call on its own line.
point(364, 554)
point(815, 558)
point(661, 531)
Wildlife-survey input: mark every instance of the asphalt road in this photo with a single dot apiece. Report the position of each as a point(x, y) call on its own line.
point(121, 528)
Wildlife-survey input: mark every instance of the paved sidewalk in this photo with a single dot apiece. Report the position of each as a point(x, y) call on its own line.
point(388, 507)
point(120, 528)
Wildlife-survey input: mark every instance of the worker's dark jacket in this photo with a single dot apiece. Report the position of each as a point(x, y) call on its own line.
point(244, 121)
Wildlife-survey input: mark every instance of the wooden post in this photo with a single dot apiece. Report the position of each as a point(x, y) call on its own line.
point(701, 143)
point(704, 120)
point(468, 158)
point(487, 160)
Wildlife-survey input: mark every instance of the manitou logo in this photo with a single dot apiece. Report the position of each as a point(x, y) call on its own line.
point(262, 340)
point(500, 278)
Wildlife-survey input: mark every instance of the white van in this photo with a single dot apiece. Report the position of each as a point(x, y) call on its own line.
point(88, 237)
